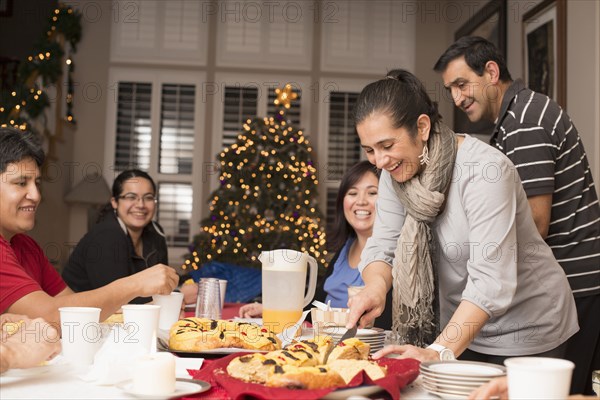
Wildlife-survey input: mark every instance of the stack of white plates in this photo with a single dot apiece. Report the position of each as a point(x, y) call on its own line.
point(456, 379)
point(374, 336)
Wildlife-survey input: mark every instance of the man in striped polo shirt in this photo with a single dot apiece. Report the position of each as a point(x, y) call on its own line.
point(543, 143)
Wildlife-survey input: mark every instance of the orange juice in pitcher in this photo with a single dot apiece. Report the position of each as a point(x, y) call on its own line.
point(283, 286)
point(279, 320)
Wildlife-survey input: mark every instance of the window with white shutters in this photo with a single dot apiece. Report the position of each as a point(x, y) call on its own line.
point(159, 32)
point(157, 127)
point(175, 202)
point(265, 34)
point(368, 36)
point(133, 128)
point(136, 21)
point(240, 103)
point(177, 129)
point(344, 145)
point(330, 209)
point(184, 24)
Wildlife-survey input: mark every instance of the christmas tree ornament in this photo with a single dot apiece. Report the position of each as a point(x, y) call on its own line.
point(284, 98)
point(270, 215)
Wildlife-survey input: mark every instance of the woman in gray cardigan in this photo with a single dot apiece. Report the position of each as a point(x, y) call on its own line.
point(454, 236)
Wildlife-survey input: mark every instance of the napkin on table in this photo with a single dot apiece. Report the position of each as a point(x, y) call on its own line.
point(184, 365)
point(115, 360)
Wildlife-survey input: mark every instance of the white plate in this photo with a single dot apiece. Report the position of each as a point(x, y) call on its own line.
point(455, 389)
point(373, 341)
point(458, 379)
point(464, 368)
point(42, 369)
point(223, 351)
point(454, 380)
point(379, 336)
point(182, 388)
point(343, 394)
point(57, 364)
point(339, 332)
point(257, 321)
point(380, 344)
point(445, 395)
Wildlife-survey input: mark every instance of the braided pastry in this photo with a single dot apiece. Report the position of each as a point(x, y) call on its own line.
point(200, 334)
point(300, 365)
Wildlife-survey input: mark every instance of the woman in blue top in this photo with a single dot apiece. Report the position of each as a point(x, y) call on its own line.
point(353, 225)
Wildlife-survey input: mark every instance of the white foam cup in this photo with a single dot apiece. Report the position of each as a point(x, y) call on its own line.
point(170, 308)
point(538, 377)
point(141, 322)
point(81, 334)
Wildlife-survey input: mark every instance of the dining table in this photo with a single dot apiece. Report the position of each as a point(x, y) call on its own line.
point(67, 384)
point(59, 380)
point(231, 310)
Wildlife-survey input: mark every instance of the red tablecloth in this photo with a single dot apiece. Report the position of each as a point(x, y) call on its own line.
point(230, 310)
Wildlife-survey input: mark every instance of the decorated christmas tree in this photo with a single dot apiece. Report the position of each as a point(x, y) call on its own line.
point(267, 197)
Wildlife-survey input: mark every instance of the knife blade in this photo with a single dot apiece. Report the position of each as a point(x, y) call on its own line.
point(350, 333)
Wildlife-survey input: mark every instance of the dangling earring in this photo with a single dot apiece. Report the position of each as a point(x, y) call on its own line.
point(115, 211)
point(424, 157)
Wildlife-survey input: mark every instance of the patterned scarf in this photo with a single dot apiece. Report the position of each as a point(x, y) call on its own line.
point(414, 284)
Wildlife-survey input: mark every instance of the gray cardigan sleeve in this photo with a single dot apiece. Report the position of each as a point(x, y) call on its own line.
point(388, 223)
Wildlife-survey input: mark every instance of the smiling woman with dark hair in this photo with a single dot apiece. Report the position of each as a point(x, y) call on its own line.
point(124, 242)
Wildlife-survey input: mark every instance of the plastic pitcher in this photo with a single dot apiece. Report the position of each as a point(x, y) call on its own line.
point(283, 284)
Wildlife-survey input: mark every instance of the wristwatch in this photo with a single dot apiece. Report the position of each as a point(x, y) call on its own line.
point(445, 353)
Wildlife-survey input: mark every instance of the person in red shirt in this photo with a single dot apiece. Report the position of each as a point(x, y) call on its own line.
point(29, 284)
point(27, 343)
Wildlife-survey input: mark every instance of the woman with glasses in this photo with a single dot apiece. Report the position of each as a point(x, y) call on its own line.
point(125, 241)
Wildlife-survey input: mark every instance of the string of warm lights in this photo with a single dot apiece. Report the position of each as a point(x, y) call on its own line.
point(23, 104)
point(267, 198)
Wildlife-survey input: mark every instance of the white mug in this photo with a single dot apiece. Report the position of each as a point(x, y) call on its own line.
point(81, 334)
point(538, 377)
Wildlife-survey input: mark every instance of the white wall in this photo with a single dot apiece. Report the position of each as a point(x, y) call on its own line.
point(91, 75)
point(583, 76)
point(583, 68)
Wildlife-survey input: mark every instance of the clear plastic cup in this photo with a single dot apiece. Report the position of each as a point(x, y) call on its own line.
point(223, 288)
point(208, 303)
